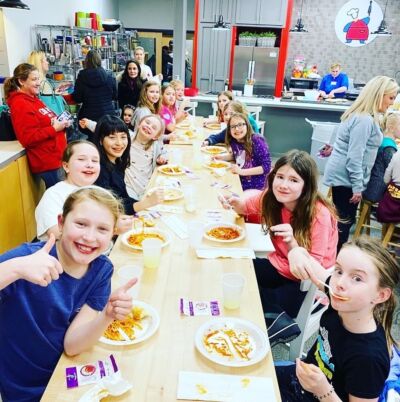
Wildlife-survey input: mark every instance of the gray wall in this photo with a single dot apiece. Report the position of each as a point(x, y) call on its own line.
point(152, 14)
point(321, 46)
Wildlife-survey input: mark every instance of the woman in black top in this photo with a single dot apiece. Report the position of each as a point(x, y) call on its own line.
point(130, 84)
point(95, 89)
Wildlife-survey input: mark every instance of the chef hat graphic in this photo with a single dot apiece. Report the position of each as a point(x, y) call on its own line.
point(353, 12)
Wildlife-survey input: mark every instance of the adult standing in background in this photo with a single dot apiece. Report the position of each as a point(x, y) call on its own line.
point(335, 84)
point(38, 59)
point(35, 125)
point(130, 85)
point(95, 89)
point(146, 73)
point(354, 151)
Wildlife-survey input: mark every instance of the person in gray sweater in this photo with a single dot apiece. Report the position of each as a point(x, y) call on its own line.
point(354, 151)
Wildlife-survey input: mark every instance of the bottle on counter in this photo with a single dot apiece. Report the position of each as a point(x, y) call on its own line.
point(226, 85)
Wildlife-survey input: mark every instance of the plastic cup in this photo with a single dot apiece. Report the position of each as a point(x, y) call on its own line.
point(195, 231)
point(151, 253)
point(232, 288)
point(190, 199)
point(126, 273)
point(177, 157)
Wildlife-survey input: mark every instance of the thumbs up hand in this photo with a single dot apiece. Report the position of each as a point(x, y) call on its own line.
point(120, 302)
point(40, 268)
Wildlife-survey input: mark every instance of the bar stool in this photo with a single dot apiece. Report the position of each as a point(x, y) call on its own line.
point(364, 219)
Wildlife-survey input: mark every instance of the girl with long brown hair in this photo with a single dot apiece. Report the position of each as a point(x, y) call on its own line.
point(295, 214)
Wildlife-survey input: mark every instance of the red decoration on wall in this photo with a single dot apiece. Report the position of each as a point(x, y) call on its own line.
point(195, 42)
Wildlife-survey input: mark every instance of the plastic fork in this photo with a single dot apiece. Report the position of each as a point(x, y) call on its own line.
point(332, 292)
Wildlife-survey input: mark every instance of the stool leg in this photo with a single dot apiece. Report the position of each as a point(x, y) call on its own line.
point(389, 229)
point(365, 211)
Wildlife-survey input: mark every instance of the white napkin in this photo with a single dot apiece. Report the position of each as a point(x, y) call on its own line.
point(258, 240)
point(176, 225)
point(167, 208)
point(224, 388)
point(215, 252)
point(113, 385)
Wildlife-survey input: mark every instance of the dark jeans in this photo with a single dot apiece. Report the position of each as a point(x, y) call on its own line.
point(50, 177)
point(277, 292)
point(346, 211)
point(289, 385)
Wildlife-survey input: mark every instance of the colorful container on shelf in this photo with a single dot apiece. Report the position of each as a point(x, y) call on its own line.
point(88, 20)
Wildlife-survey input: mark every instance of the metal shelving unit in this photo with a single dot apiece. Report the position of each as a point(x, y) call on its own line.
point(66, 48)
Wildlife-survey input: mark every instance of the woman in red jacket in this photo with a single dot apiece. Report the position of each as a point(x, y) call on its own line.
point(35, 125)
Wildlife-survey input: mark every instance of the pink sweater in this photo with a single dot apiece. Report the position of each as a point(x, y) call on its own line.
point(324, 236)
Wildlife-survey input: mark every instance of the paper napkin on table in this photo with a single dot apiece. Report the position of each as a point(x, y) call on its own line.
point(224, 388)
point(258, 240)
point(167, 208)
point(112, 385)
point(215, 252)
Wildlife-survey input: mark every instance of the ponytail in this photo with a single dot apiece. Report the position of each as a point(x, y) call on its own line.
point(21, 72)
point(10, 85)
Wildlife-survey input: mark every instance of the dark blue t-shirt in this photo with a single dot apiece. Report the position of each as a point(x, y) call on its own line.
point(34, 320)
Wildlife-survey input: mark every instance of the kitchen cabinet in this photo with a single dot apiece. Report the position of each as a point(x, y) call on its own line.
point(210, 10)
point(213, 58)
point(268, 13)
point(12, 227)
point(18, 203)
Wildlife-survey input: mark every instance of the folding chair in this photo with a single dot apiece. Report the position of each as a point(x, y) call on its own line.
point(191, 108)
point(307, 319)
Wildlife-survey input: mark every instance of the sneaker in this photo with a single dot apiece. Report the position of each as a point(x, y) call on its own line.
point(283, 329)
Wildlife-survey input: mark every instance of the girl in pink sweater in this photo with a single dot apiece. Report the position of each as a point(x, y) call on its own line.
point(295, 214)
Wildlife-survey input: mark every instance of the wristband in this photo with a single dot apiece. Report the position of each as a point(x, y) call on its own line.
point(322, 397)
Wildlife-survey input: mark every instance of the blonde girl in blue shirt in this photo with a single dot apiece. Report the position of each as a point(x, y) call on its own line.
point(56, 297)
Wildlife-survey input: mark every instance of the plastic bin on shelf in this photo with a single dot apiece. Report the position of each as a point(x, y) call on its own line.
point(324, 132)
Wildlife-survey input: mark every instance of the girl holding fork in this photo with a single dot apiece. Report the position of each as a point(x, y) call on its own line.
point(350, 358)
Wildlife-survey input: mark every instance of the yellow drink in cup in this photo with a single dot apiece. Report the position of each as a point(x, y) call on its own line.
point(151, 253)
point(232, 288)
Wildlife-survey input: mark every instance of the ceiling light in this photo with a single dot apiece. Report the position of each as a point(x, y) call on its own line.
point(299, 27)
point(220, 24)
point(13, 4)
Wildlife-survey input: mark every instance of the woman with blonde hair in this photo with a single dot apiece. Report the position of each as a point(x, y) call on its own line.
point(358, 139)
point(38, 59)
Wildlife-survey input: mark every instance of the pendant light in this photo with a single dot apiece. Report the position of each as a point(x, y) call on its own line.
point(13, 4)
point(382, 29)
point(299, 27)
point(220, 25)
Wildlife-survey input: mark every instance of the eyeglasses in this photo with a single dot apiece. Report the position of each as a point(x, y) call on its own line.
point(235, 126)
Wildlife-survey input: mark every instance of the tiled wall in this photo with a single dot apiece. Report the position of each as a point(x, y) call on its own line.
point(321, 46)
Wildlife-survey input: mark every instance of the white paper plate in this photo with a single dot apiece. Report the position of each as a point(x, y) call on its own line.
point(170, 193)
point(225, 163)
point(150, 325)
point(231, 225)
point(161, 170)
point(209, 149)
point(163, 233)
point(184, 125)
point(258, 339)
point(214, 126)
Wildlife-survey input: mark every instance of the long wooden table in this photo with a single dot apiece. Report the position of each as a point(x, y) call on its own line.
point(153, 365)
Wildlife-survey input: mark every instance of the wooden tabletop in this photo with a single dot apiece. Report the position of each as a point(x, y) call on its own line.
point(153, 365)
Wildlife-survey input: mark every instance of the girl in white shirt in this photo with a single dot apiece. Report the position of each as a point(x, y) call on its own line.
point(145, 153)
point(146, 73)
